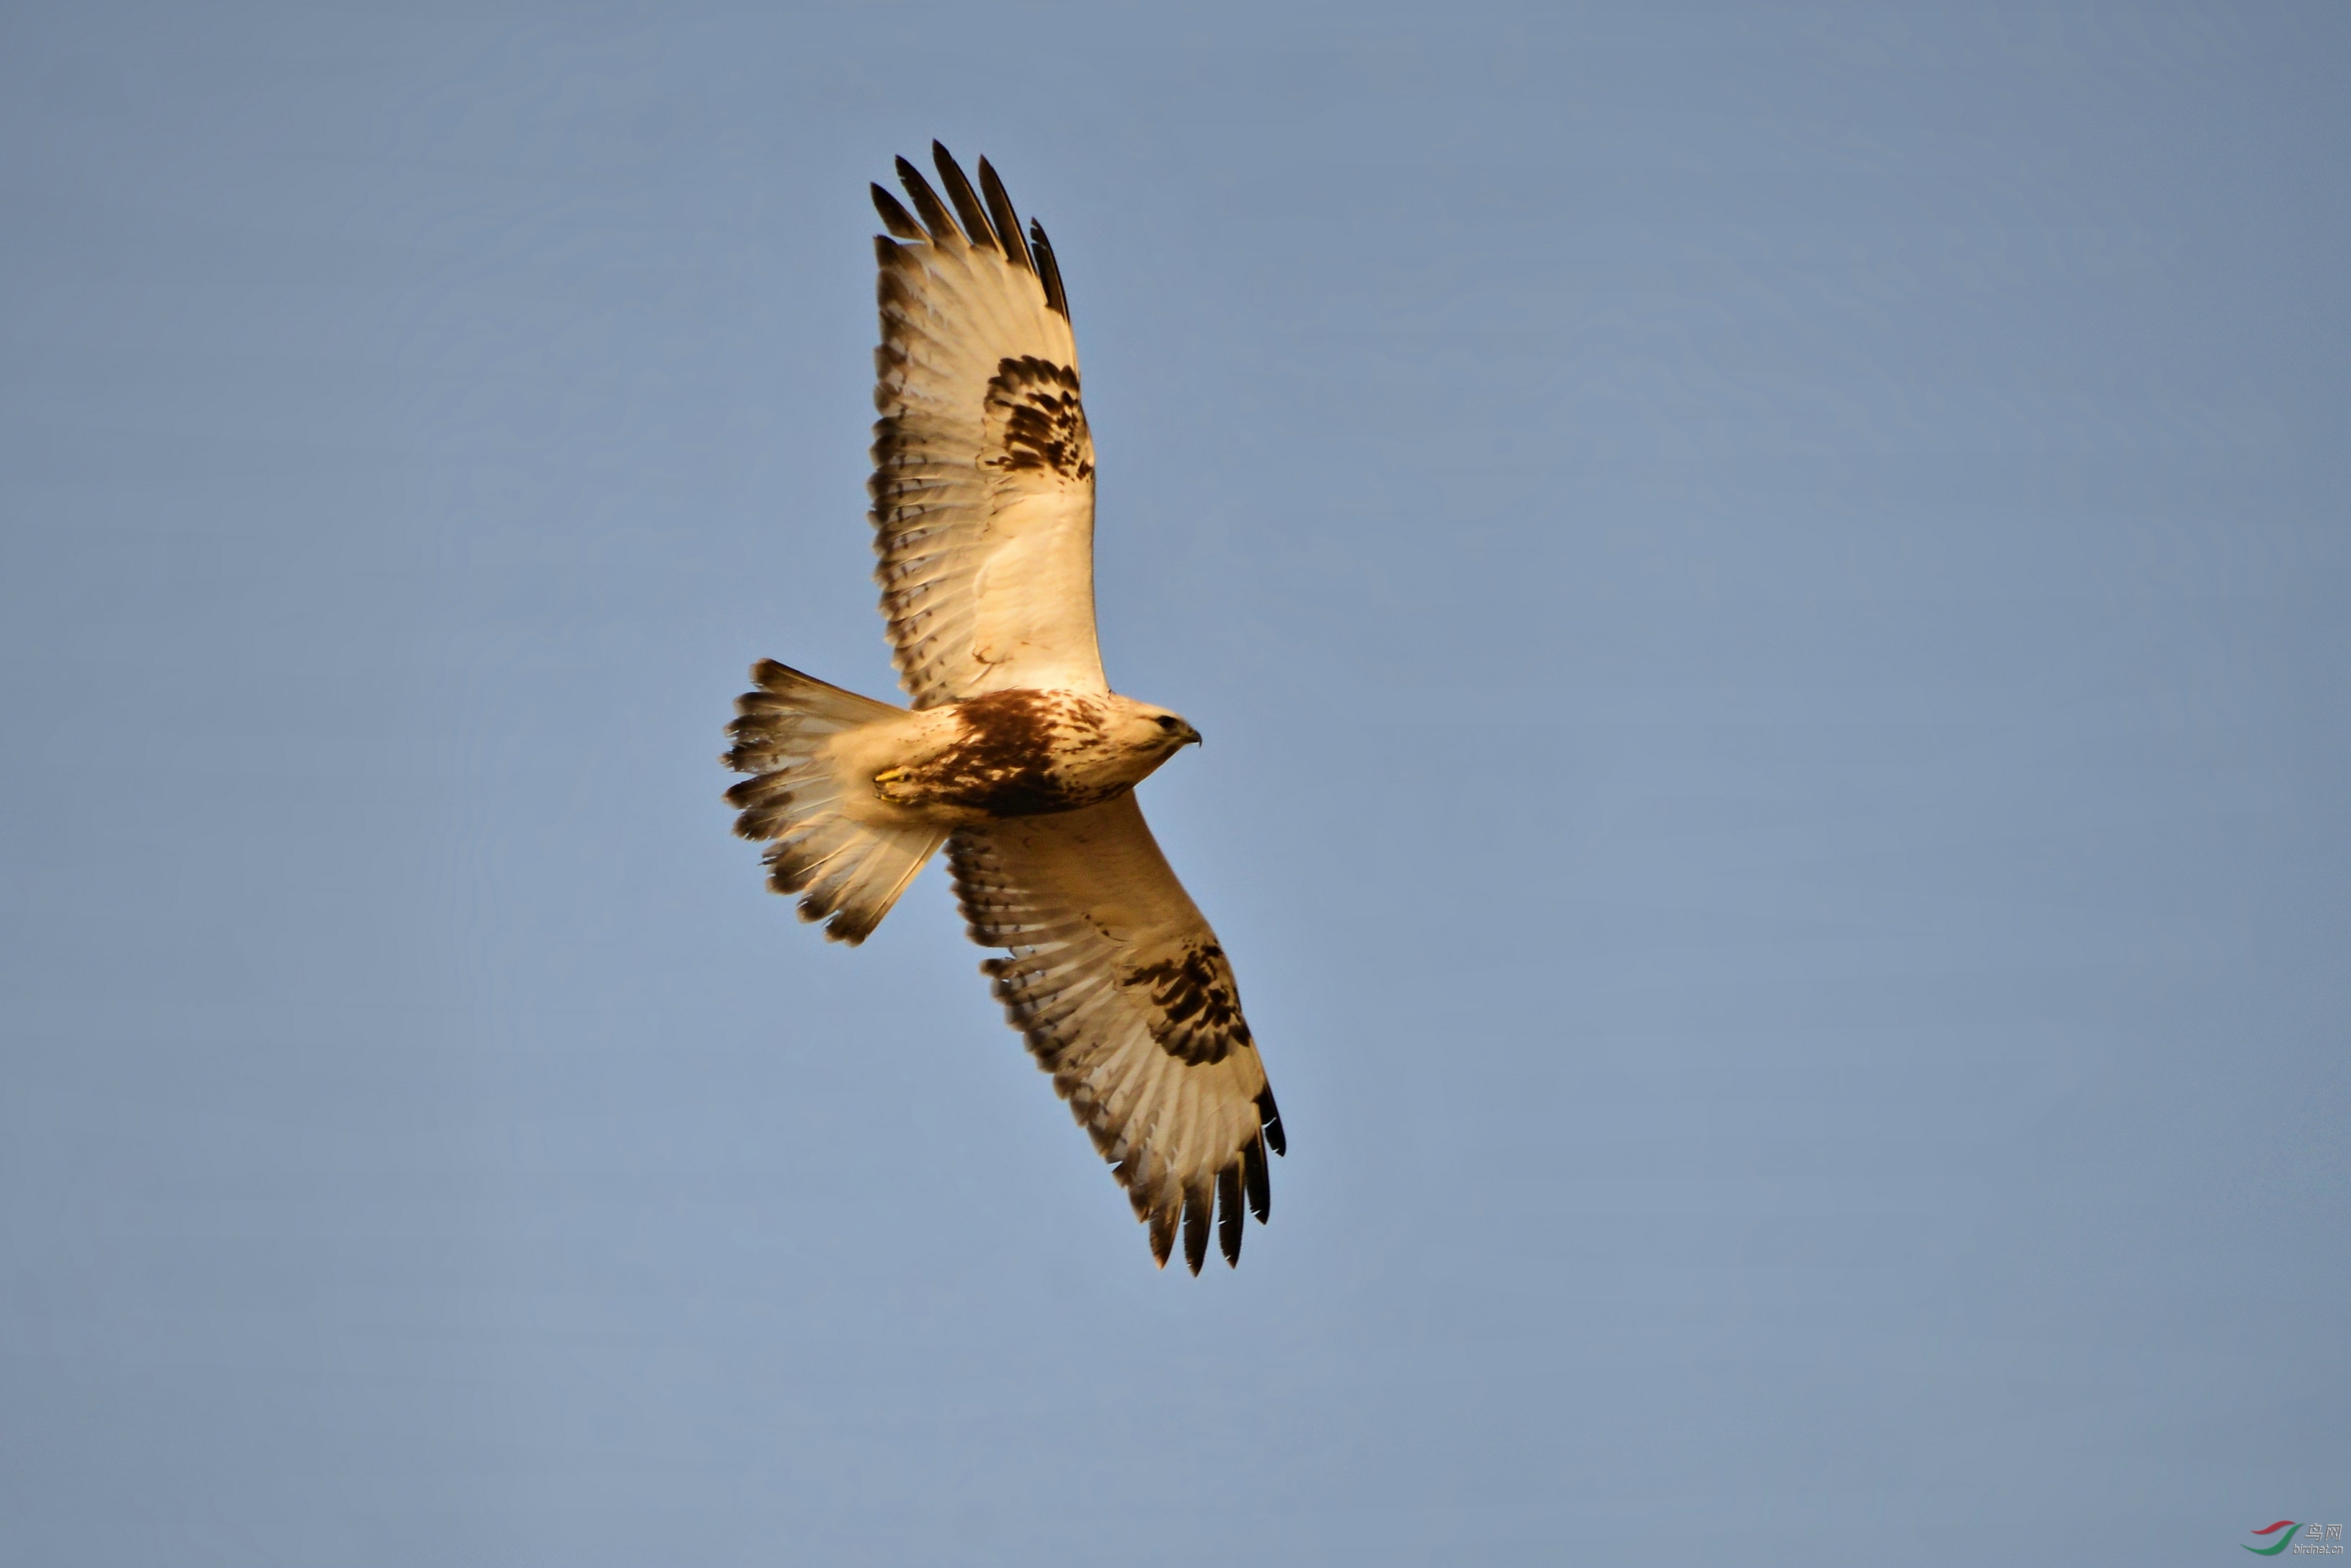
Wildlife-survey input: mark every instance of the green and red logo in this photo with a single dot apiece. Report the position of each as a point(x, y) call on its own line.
point(2319, 1539)
point(2282, 1542)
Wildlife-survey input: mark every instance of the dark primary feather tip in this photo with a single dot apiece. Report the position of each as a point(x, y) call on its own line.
point(1008, 222)
point(1256, 1178)
point(1197, 1201)
point(1231, 1222)
point(1049, 271)
point(1268, 1116)
point(926, 204)
point(1163, 1234)
point(895, 216)
point(959, 192)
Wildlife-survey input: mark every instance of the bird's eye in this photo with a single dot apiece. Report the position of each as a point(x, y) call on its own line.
point(1166, 721)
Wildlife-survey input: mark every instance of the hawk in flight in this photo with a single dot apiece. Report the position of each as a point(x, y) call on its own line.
point(1017, 755)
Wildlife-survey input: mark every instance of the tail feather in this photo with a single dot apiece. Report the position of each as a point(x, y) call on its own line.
point(848, 872)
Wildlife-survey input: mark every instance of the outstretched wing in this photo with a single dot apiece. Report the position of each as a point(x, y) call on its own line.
point(1127, 1000)
point(983, 470)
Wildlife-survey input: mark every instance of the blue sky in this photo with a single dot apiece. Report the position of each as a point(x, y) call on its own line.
point(1767, 588)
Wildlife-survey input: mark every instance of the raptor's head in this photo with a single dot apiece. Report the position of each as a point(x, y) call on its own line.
point(1142, 729)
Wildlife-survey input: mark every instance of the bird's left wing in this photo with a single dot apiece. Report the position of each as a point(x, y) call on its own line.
point(982, 467)
point(1127, 1000)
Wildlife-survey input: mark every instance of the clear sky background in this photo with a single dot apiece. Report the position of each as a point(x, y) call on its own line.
point(1768, 592)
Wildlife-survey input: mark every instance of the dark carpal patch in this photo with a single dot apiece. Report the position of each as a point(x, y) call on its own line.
point(1199, 1010)
point(1038, 421)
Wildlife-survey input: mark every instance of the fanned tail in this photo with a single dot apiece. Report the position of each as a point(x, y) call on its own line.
point(848, 872)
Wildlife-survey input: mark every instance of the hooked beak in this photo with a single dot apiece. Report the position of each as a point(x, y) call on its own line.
point(1192, 736)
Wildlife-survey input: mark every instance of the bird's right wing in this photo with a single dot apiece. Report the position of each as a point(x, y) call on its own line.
point(1127, 1000)
point(982, 467)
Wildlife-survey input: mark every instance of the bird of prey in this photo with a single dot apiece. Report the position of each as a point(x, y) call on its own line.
point(1017, 755)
